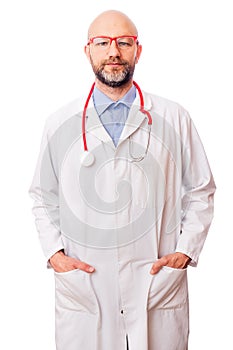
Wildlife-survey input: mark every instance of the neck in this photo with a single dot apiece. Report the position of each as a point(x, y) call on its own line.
point(115, 93)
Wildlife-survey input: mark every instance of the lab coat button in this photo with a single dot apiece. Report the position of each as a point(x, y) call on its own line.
point(122, 312)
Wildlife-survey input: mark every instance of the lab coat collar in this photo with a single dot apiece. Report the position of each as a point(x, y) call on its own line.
point(95, 127)
point(136, 117)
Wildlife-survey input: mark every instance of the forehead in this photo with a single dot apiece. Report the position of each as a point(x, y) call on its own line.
point(112, 25)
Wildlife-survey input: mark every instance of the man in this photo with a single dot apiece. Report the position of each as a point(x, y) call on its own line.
point(123, 202)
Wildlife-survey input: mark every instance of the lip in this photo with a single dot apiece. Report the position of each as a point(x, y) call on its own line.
point(114, 64)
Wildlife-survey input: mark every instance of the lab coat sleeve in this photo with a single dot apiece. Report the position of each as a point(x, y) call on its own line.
point(44, 191)
point(198, 189)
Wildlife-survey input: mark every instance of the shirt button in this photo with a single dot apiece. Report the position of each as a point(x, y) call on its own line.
point(122, 312)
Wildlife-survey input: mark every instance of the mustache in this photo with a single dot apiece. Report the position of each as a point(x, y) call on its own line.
point(116, 60)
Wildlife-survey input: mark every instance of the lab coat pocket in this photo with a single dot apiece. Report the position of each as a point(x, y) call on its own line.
point(74, 292)
point(168, 289)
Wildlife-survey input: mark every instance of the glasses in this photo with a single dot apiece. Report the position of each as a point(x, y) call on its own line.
point(122, 42)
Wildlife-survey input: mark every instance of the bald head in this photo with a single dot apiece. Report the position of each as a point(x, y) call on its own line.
point(112, 23)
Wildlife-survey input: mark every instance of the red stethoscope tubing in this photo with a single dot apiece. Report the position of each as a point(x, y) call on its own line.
point(86, 106)
point(84, 118)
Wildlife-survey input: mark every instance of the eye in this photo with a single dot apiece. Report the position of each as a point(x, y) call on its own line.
point(125, 42)
point(101, 42)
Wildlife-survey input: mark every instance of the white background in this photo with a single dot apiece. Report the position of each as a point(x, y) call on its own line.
point(188, 58)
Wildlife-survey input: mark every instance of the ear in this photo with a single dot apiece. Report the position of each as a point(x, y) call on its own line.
point(138, 53)
point(87, 51)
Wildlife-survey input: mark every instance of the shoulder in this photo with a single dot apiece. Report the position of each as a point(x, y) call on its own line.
point(169, 114)
point(65, 112)
point(62, 115)
point(165, 107)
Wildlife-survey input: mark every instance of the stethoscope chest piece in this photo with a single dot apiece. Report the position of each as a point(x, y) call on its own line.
point(87, 159)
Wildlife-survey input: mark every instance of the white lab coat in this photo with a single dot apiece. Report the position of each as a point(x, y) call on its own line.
point(120, 216)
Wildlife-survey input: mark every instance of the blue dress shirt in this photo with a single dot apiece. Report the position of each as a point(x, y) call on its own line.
point(113, 115)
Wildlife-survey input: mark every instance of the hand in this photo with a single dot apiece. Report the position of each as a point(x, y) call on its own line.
point(63, 263)
point(176, 260)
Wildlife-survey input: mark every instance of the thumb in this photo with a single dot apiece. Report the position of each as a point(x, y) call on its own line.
point(85, 267)
point(156, 267)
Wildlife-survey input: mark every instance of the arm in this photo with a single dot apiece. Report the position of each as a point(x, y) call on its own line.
point(197, 202)
point(45, 192)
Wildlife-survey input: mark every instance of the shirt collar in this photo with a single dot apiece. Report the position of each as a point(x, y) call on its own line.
point(103, 102)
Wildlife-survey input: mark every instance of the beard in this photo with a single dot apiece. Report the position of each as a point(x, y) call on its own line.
point(115, 78)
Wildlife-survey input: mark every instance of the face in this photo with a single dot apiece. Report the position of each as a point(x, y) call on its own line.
point(113, 63)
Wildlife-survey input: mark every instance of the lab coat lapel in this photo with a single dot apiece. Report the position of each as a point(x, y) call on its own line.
point(136, 117)
point(95, 127)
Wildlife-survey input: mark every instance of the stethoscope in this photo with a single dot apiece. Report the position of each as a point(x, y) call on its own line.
point(88, 158)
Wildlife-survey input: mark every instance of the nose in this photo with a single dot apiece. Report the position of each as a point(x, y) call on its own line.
point(113, 50)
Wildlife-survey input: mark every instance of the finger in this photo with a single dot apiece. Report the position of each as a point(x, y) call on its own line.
point(84, 267)
point(156, 267)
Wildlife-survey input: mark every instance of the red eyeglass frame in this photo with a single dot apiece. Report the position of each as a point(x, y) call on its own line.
point(113, 39)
